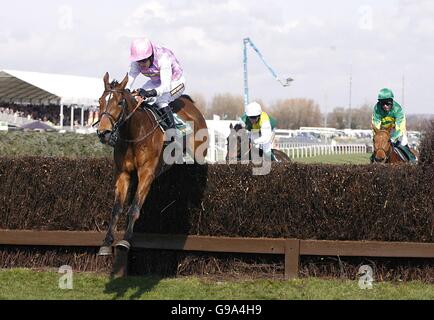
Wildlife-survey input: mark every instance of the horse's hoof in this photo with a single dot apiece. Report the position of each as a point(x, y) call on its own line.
point(105, 251)
point(123, 244)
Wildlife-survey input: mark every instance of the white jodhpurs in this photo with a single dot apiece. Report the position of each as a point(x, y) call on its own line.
point(403, 140)
point(266, 147)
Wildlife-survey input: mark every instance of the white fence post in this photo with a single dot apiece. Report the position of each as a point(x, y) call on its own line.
point(299, 150)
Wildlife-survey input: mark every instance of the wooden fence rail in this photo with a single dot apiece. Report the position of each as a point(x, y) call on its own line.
point(291, 248)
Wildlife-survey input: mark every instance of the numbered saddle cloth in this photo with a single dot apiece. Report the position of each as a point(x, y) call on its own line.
point(183, 127)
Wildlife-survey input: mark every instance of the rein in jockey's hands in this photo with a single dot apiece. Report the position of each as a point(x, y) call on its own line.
point(142, 94)
point(147, 93)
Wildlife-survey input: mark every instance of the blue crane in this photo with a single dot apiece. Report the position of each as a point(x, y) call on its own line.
point(286, 82)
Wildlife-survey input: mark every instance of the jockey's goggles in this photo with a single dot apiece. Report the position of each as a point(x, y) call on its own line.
point(150, 58)
point(387, 102)
point(254, 117)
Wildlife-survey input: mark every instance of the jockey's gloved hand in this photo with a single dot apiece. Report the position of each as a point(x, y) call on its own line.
point(147, 93)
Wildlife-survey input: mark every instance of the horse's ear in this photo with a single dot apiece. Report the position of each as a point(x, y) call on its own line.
point(374, 128)
point(106, 81)
point(231, 126)
point(124, 82)
point(389, 129)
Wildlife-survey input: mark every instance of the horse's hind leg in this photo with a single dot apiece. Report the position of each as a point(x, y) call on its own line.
point(146, 176)
point(122, 184)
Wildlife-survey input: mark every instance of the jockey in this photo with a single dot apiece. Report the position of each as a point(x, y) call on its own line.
point(388, 113)
point(166, 80)
point(261, 128)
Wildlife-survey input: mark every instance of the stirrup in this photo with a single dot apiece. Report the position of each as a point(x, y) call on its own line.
point(165, 124)
point(123, 244)
point(274, 158)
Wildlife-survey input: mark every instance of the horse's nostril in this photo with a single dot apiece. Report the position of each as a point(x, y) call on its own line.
point(104, 136)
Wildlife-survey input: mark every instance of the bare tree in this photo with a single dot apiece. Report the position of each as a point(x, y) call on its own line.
point(296, 113)
point(361, 117)
point(419, 122)
point(227, 106)
point(337, 118)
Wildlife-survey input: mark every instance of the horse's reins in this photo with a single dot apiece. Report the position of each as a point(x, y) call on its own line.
point(388, 154)
point(112, 121)
point(121, 116)
point(121, 120)
point(248, 151)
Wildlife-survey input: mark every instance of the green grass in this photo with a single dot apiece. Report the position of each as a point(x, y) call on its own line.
point(71, 145)
point(27, 284)
point(358, 158)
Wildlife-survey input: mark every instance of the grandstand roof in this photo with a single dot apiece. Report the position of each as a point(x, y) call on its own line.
point(45, 88)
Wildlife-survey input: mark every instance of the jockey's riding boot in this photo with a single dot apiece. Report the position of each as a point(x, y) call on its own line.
point(268, 156)
point(411, 157)
point(172, 136)
point(168, 117)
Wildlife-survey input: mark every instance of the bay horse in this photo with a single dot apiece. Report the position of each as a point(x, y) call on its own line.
point(239, 136)
point(138, 149)
point(384, 150)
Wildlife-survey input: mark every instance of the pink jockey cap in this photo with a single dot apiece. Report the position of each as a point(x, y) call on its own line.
point(141, 49)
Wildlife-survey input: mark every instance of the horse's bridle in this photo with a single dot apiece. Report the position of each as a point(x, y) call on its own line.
point(388, 154)
point(114, 122)
point(122, 118)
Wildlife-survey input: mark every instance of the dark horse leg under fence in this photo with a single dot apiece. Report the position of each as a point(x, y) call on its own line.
point(138, 149)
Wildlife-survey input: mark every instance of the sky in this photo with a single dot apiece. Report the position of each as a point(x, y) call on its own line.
point(319, 44)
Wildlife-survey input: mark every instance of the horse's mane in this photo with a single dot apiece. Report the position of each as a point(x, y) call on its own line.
point(186, 96)
point(178, 104)
point(114, 83)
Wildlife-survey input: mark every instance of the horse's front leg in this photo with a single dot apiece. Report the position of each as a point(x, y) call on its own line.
point(122, 184)
point(146, 175)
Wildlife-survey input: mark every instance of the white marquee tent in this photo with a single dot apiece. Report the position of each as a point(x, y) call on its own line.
point(44, 88)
